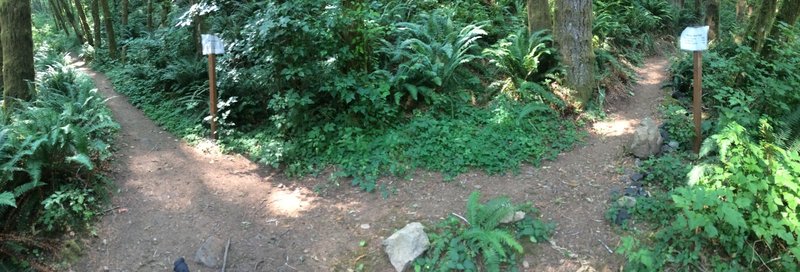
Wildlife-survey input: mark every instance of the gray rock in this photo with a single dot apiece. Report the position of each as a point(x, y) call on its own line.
point(405, 245)
point(646, 140)
point(211, 252)
point(626, 201)
point(637, 177)
point(513, 217)
point(674, 144)
point(622, 216)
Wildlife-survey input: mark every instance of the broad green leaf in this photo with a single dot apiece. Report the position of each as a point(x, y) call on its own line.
point(7, 199)
point(81, 159)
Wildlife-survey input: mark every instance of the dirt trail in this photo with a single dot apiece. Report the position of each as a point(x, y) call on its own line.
point(171, 197)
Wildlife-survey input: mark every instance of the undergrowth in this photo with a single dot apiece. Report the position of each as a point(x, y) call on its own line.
point(482, 242)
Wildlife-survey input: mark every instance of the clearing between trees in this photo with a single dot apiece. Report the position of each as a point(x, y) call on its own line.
point(171, 197)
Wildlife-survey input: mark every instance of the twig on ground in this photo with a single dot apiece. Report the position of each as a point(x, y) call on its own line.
point(606, 246)
point(110, 209)
point(461, 217)
point(225, 257)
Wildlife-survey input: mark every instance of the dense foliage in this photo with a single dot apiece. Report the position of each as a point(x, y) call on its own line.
point(367, 88)
point(736, 209)
point(52, 151)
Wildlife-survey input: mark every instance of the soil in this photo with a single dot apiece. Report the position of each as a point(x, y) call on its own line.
point(170, 197)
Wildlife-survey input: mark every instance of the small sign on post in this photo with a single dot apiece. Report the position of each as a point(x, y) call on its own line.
point(212, 46)
point(696, 39)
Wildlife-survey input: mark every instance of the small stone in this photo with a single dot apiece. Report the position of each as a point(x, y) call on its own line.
point(674, 144)
point(637, 177)
point(364, 226)
point(105, 268)
point(210, 252)
point(634, 191)
point(513, 217)
point(405, 245)
point(626, 201)
point(525, 264)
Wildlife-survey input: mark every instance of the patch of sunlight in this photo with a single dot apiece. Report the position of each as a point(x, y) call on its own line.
point(615, 127)
point(290, 203)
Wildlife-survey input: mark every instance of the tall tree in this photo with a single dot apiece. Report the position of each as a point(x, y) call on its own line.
point(573, 34)
point(17, 40)
point(539, 15)
point(759, 28)
point(96, 22)
point(71, 20)
point(59, 16)
point(125, 13)
point(742, 8)
point(84, 22)
point(712, 18)
point(150, 11)
point(112, 41)
point(790, 10)
point(166, 7)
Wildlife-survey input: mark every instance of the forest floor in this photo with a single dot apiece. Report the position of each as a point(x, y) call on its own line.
point(170, 197)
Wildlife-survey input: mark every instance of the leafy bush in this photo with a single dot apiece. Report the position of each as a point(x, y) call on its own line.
point(668, 171)
point(52, 151)
point(740, 209)
point(482, 241)
point(679, 124)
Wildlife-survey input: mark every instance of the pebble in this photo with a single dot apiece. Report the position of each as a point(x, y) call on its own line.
point(364, 226)
point(525, 264)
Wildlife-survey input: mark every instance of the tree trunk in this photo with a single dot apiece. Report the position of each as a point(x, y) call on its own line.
point(759, 28)
point(59, 16)
point(573, 34)
point(712, 18)
point(790, 10)
point(125, 13)
point(741, 11)
point(84, 22)
point(166, 7)
point(96, 23)
point(17, 51)
point(150, 16)
point(71, 19)
point(1, 51)
point(112, 41)
point(538, 16)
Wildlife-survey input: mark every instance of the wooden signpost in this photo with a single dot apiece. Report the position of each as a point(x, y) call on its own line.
point(212, 46)
point(695, 39)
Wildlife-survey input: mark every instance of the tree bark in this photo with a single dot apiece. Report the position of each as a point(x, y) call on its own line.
point(741, 11)
point(150, 15)
point(573, 34)
point(112, 41)
point(790, 10)
point(125, 13)
point(759, 28)
point(712, 18)
point(84, 22)
point(538, 16)
point(17, 51)
point(96, 23)
point(59, 16)
point(71, 19)
point(166, 7)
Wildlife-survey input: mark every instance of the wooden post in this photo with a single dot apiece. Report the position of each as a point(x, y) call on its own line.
point(697, 103)
point(212, 78)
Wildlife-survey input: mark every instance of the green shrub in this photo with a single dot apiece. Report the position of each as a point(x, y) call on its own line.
point(679, 124)
point(668, 171)
point(482, 242)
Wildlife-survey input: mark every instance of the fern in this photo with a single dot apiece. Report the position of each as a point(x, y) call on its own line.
point(789, 135)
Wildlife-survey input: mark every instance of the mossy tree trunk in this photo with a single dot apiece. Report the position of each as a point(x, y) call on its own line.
point(166, 7)
point(71, 20)
point(112, 41)
point(59, 16)
point(84, 22)
point(790, 10)
point(17, 40)
point(712, 18)
point(95, 10)
point(150, 11)
point(539, 15)
point(125, 13)
point(759, 27)
point(573, 35)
